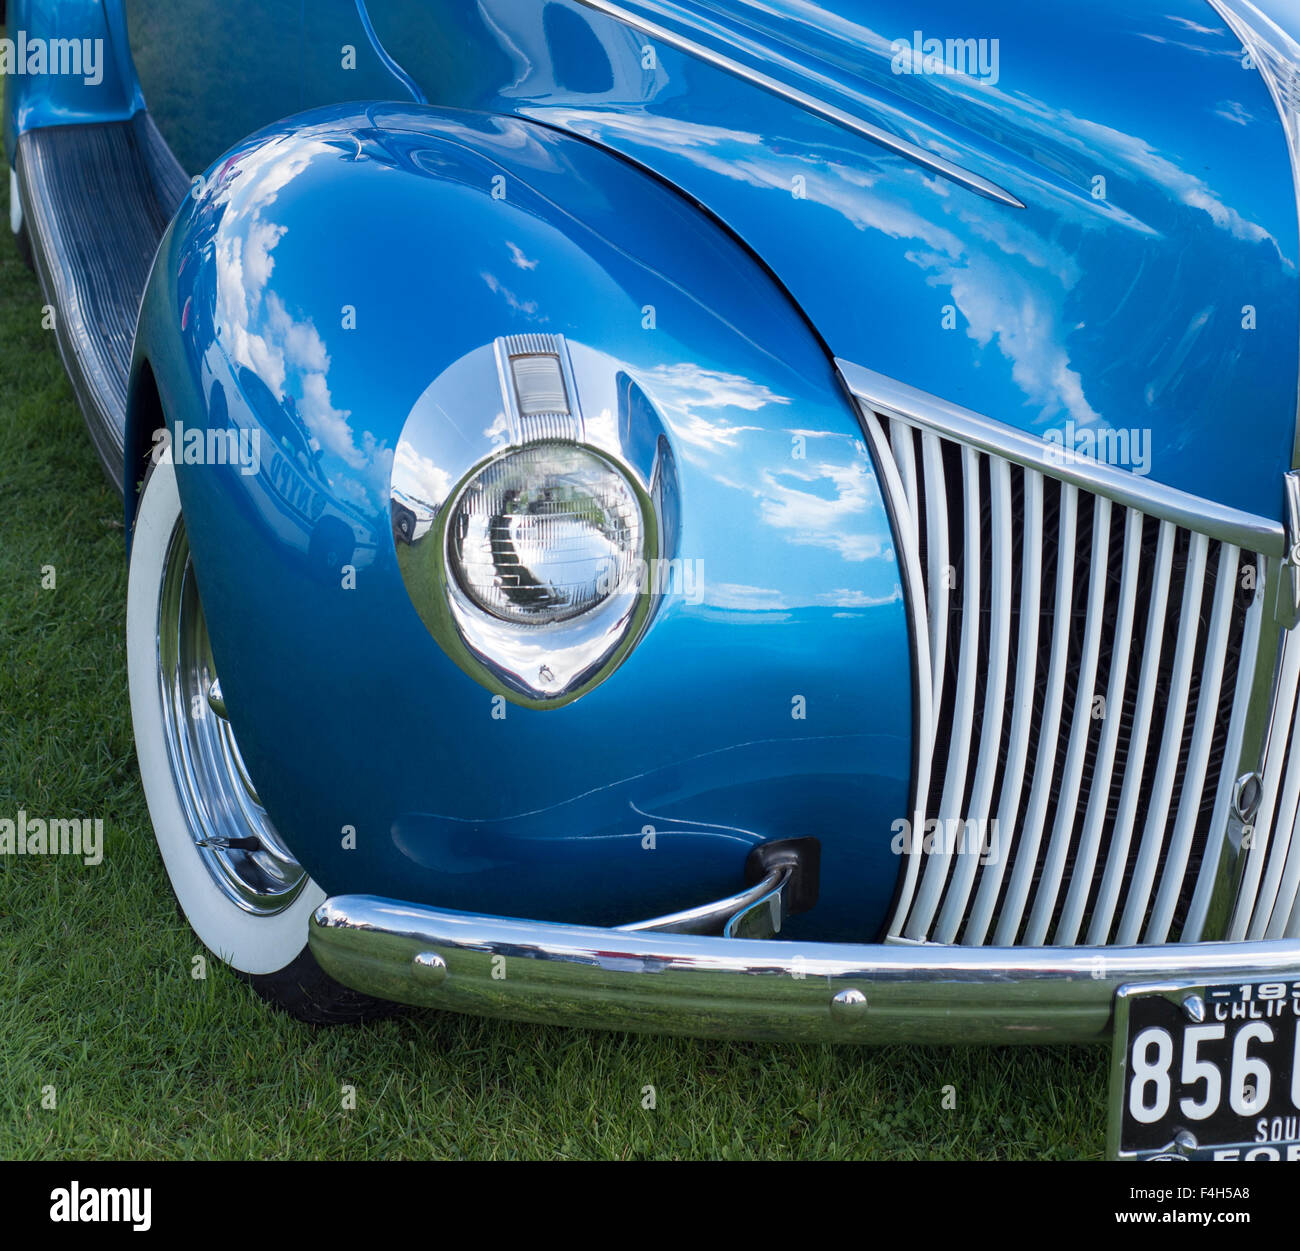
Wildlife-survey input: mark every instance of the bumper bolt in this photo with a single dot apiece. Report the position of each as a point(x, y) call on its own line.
point(428, 968)
point(848, 1005)
point(1194, 1008)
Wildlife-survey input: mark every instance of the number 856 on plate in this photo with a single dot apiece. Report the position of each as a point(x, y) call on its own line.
point(1209, 1072)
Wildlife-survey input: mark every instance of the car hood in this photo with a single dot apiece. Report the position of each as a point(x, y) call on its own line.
point(1093, 226)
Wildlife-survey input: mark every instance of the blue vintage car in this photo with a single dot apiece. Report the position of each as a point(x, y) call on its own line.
point(770, 520)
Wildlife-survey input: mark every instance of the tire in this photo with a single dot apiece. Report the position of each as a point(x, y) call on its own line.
point(22, 240)
point(23, 243)
point(248, 901)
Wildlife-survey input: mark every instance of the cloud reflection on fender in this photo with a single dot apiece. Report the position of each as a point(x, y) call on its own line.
point(255, 328)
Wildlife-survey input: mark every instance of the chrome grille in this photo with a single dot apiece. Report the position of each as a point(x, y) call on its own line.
point(1079, 687)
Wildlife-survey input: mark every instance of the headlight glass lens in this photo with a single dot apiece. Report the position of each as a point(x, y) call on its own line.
point(545, 534)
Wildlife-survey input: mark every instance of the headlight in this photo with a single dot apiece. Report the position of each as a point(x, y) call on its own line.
point(545, 534)
point(535, 515)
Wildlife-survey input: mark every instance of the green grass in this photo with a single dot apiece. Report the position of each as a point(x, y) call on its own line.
point(97, 1001)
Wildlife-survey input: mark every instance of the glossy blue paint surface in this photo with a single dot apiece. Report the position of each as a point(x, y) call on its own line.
point(1118, 305)
point(347, 710)
point(1124, 311)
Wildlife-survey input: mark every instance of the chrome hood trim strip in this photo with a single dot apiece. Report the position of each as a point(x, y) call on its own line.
point(823, 108)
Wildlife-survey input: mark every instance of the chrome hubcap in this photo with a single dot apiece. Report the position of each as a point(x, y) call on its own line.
point(232, 833)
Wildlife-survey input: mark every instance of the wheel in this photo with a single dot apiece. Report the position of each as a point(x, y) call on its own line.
point(236, 883)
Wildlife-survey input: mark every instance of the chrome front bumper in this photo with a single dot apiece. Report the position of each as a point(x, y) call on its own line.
point(676, 983)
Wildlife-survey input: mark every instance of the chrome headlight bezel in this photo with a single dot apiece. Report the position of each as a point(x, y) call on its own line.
point(471, 418)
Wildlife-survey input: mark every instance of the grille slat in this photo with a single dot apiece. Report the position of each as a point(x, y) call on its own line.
point(1008, 810)
point(1252, 651)
point(1285, 919)
point(936, 550)
point(1195, 776)
point(1029, 836)
point(999, 656)
point(1273, 834)
point(1040, 597)
point(1270, 883)
point(1279, 734)
point(904, 511)
point(951, 803)
point(1171, 734)
point(1104, 768)
point(1137, 739)
point(1080, 732)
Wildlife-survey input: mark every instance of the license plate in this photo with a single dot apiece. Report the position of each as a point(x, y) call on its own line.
point(1206, 1072)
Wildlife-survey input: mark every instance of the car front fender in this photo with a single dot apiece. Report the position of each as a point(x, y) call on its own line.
point(329, 269)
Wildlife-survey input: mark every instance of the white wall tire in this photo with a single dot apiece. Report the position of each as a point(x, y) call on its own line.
point(249, 906)
point(247, 942)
